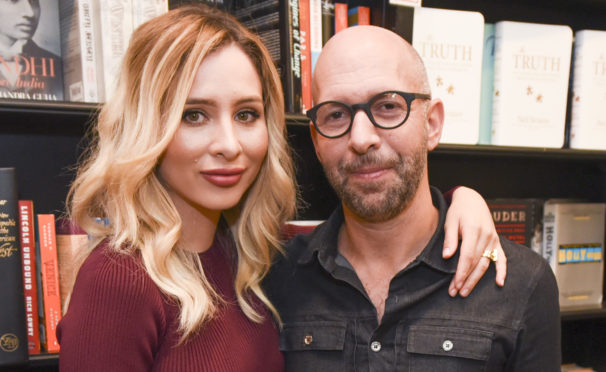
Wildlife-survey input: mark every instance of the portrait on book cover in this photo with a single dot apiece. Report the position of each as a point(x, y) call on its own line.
point(30, 50)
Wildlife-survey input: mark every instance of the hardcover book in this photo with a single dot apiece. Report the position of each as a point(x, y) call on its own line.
point(328, 20)
point(116, 26)
point(81, 46)
point(304, 25)
point(30, 51)
point(588, 118)
point(486, 90)
point(341, 21)
point(291, 55)
point(144, 10)
point(50, 279)
point(27, 232)
point(531, 70)
point(360, 15)
point(573, 244)
point(450, 42)
point(519, 220)
point(315, 30)
point(13, 336)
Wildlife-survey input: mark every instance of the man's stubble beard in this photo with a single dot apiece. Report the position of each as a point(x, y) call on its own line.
point(382, 200)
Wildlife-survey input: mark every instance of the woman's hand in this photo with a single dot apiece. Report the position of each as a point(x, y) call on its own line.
point(469, 218)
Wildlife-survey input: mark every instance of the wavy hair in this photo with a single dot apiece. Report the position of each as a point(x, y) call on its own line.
point(116, 178)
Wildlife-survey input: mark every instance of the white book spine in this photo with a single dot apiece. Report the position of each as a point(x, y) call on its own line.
point(79, 45)
point(531, 70)
point(144, 10)
point(450, 42)
point(588, 118)
point(315, 30)
point(116, 27)
point(549, 235)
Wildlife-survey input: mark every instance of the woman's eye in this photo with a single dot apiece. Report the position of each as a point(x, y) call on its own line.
point(193, 116)
point(247, 116)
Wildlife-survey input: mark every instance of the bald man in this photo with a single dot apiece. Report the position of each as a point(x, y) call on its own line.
point(367, 290)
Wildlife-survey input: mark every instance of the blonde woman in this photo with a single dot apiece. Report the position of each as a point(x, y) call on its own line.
point(190, 167)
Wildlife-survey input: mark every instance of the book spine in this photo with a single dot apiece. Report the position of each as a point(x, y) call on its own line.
point(79, 43)
point(340, 16)
point(291, 55)
point(497, 83)
point(550, 233)
point(13, 335)
point(487, 85)
point(30, 285)
point(50, 279)
point(304, 24)
point(315, 30)
point(328, 20)
point(115, 18)
point(144, 10)
point(359, 15)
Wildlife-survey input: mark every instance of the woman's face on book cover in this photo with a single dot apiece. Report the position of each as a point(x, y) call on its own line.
point(222, 140)
point(18, 19)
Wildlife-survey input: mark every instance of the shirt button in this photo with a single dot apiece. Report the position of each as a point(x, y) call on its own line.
point(447, 345)
point(375, 346)
point(308, 339)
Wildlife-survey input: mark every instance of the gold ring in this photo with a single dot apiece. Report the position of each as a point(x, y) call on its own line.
point(491, 255)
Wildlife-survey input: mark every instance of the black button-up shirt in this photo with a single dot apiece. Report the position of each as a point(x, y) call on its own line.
point(330, 324)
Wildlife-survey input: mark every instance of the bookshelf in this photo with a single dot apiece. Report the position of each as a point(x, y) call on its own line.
point(43, 140)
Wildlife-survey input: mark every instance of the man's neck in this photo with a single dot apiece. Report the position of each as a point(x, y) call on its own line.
point(379, 250)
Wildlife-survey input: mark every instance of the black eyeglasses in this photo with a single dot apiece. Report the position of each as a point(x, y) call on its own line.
point(386, 110)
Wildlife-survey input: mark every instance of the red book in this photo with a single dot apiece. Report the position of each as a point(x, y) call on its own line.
point(359, 15)
point(304, 32)
point(50, 279)
point(27, 232)
point(341, 16)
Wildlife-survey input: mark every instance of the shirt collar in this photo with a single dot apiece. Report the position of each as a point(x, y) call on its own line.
point(323, 241)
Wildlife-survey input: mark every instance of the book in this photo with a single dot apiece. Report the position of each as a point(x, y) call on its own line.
point(573, 244)
point(81, 46)
point(588, 118)
point(291, 55)
point(396, 18)
point(144, 10)
point(30, 59)
point(315, 30)
point(304, 25)
point(531, 70)
point(27, 232)
point(50, 279)
point(115, 19)
point(486, 90)
point(340, 16)
point(519, 220)
point(13, 336)
point(71, 240)
point(450, 42)
point(359, 15)
point(328, 20)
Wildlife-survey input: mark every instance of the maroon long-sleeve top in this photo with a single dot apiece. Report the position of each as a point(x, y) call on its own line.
point(119, 320)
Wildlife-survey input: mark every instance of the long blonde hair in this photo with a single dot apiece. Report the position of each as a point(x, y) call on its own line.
point(116, 179)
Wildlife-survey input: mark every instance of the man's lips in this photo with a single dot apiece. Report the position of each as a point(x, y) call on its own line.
point(223, 177)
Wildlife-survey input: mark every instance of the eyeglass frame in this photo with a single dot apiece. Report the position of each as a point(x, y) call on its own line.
point(353, 109)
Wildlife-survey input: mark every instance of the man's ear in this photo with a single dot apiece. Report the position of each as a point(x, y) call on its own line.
point(435, 122)
point(314, 137)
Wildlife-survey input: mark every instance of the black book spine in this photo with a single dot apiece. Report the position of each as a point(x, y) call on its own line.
point(13, 336)
point(291, 55)
point(328, 20)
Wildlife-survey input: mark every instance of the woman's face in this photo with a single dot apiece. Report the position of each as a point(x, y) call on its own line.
point(222, 140)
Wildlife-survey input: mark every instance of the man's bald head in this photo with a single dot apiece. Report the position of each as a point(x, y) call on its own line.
point(370, 48)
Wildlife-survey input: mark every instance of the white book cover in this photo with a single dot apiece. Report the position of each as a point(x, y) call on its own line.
point(588, 117)
point(573, 244)
point(315, 30)
point(81, 51)
point(531, 70)
point(450, 42)
point(144, 10)
point(116, 22)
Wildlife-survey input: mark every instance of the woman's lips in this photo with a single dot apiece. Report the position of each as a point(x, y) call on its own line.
point(223, 177)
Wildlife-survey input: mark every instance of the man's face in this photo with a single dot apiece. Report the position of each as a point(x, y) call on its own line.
point(18, 19)
point(376, 172)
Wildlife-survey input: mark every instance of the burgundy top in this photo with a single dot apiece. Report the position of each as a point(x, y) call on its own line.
point(119, 320)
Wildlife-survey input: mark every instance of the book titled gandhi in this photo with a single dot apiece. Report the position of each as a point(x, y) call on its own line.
point(531, 70)
point(573, 244)
point(450, 42)
point(30, 51)
point(588, 118)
